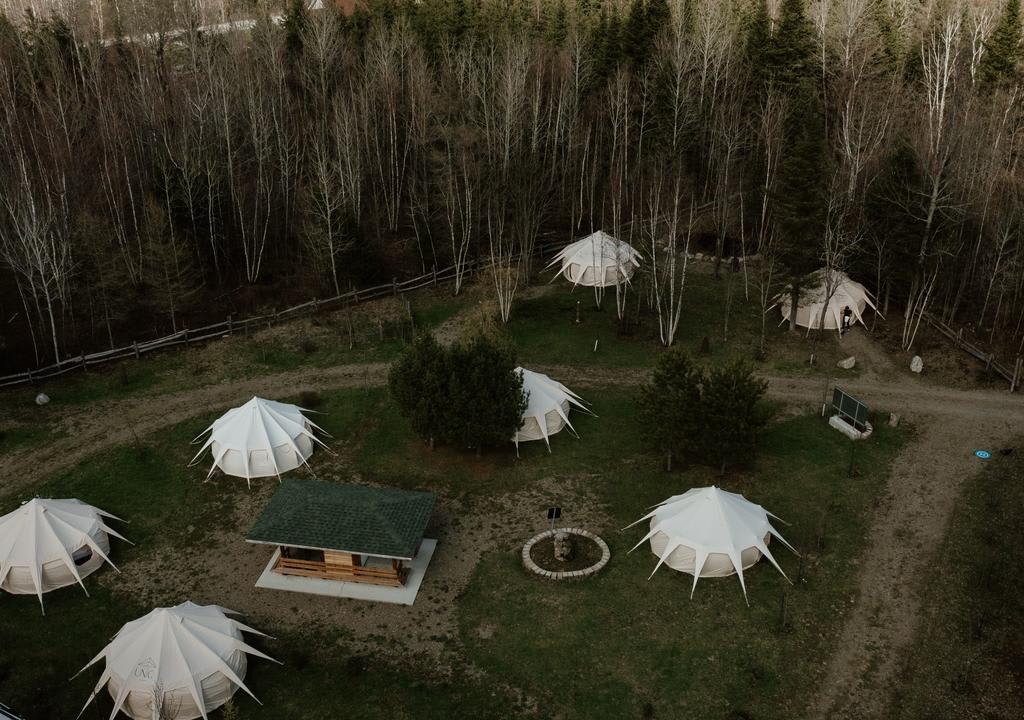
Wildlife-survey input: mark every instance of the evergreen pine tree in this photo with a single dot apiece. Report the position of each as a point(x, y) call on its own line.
point(791, 50)
point(732, 414)
point(294, 23)
point(670, 406)
point(635, 33)
point(891, 53)
point(485, 395)
point(799, 199)
point(556, 22)
point(419, 382)
point(757, 43)
point(658, 15)
point(1003, 49)
point(606, 44)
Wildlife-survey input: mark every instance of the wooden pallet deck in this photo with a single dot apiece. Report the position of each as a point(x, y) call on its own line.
point(391, 577)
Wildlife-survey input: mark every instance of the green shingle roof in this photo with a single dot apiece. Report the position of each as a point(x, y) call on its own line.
point(346, 518)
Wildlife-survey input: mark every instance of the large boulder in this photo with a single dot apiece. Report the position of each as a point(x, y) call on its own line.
point(916, 364)
point(848, 363)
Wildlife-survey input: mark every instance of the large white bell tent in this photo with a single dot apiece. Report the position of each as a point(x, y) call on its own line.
point(841, 293)
point(176, 663)
point(49, 544)
point(709, 532)
point(260, 439)
point(547, 407)
point(598, 260)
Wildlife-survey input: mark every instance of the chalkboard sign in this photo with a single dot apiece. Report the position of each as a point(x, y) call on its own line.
point(554, 513)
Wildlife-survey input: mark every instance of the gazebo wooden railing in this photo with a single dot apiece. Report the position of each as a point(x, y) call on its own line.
point(393, 577)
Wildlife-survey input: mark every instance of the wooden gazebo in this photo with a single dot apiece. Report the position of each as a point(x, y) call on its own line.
point(348, 533)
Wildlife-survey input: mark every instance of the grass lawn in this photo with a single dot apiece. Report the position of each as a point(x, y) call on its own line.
point(621, 645)
point(312, 341)
point(968, 658)
point(545, 330)
point(604, 648)
point(542, 326)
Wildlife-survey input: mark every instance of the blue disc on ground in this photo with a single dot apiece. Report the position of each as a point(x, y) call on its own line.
point(983, 454)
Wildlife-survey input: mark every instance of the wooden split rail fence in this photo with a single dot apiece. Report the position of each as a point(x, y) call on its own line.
point(190, 336)
point(1013, 374)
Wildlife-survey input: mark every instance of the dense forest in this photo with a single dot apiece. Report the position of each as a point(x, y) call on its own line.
point(151, 179)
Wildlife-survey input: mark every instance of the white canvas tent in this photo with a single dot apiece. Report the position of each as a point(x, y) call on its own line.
point(709, 532)
point(845, 293)
point(598, 260)
point(260, 439)
point(49, 544)
point(177, 663)
point(547, 407)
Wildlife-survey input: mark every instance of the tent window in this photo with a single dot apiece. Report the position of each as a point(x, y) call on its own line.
point(82, 555)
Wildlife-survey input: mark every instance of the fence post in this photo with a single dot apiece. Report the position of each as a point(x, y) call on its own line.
point(433, 269)
point(135, 347)
point(394, 286)
point(1016, 373)
point(316, 306)
point(32, 382)
point(380, 329)
point(186, 337)
point(230, 325)
point(84, 366)
point(988, 363)
point(959, 337)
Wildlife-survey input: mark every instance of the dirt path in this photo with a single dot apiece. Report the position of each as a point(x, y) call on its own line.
point(903, 544)
point(875, 363)
point(911, 519)
point(89, 429)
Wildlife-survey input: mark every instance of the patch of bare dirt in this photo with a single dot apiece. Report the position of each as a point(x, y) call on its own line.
point(875, 364)
point(224, 568)
point(482, 309)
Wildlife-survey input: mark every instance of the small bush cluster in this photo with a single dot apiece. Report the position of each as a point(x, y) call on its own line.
point(713, 416)
point(466, 395)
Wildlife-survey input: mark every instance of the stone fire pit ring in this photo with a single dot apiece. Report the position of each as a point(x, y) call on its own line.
point(536, 569)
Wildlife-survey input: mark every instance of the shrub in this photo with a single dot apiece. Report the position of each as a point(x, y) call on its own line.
point(670, 405)
point(309, 399)
point(486, 401)
point(714, 416)
point(419, 385)
point(231, 711)
point(467, 395)
point(308, 346)
point(732, 413)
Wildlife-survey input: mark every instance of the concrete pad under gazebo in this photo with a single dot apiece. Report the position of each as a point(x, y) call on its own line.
point(349, 541)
